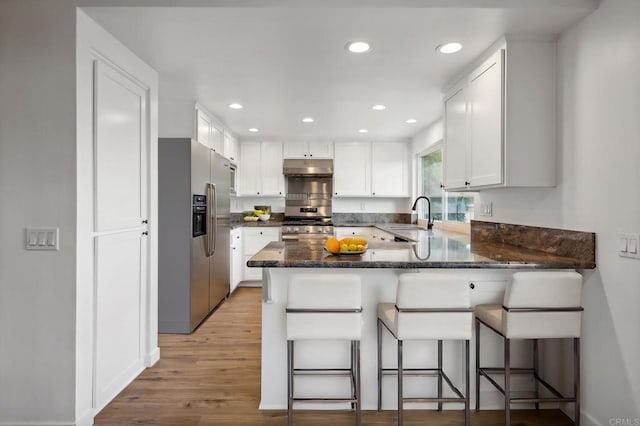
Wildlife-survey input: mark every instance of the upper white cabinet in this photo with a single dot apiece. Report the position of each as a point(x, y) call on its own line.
point(308, 150)
point(365, 169)
point(208, 132)
point(389, 169)
point(230, 147)
point(499, 120)
point(261, 169)
point(352, 169)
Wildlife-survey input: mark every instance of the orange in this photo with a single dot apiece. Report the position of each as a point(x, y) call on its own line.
point(332, 245)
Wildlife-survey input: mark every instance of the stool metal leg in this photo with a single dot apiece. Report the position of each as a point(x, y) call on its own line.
point(290, 382)
point(535, 372)
point(358, 395)
point(477, 365)
point(379, 364)
point(507, 382)
point(439, 374)
point(467, 384)
point(576, 379)
point(400, 404)
point(352, 352)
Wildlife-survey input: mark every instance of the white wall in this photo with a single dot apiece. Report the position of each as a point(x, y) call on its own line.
point(37, 188)
point(598, 176)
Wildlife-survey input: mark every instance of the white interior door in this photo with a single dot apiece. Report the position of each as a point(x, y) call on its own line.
point(121, 187)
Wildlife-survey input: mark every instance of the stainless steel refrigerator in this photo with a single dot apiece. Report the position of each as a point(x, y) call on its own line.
point(194, 224)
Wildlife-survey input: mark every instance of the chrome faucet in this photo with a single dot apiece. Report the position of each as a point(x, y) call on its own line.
point(413, 209)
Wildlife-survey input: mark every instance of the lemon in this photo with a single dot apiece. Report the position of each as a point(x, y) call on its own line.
point(344, 247)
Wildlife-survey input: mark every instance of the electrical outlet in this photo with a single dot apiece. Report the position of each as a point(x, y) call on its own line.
point(486, 209)
point(363, 207)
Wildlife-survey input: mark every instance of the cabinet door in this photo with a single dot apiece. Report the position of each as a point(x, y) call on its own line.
point(389, 170)
point(320, 149)
point(217, 143)
point(236, 259)
point(486, 123)
point(271, 166)
point(229, 147)
point(455, 139)
point(295, 150)
point(352, 169)
point(203, 128)
point(249, 171)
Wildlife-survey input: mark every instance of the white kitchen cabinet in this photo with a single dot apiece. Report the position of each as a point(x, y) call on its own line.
point(389, 169)
point(237, 255)
point(500, 119)
point(260, 170)
point(208, 132)
point(321, 150)
point(254, 240)
point(341, 232)
point(381, 236)
point(352, 169)
point(230, 147)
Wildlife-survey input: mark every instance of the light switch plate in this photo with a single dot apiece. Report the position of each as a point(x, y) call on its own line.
point(486, 209)
point(42, 238)
point(629, 245)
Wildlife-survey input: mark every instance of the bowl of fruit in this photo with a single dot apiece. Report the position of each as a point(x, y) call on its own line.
point(349, 245)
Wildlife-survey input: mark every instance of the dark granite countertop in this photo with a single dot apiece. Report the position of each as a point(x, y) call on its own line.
point(433, 249)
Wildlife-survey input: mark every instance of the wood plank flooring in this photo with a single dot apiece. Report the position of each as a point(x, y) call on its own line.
point(212, 377)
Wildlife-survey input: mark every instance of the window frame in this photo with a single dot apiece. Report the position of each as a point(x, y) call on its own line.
point(439, 145)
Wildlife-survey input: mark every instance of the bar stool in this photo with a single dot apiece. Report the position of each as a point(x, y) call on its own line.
point(325, 307)
point(537, 305)
point(429, 306)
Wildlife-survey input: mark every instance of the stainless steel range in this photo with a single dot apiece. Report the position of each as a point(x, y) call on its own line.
point(308, 201)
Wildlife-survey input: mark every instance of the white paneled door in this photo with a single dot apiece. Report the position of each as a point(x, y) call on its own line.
point(120, 229)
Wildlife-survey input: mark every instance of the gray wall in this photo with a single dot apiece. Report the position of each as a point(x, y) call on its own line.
point(37, 188)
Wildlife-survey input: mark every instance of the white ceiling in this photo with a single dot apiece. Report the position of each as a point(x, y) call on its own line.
point(284, 64)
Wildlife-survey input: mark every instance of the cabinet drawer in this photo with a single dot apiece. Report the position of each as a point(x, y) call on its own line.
point(254, 239)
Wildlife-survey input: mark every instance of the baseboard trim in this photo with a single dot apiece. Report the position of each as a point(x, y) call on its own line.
point(86, 419)
point(152, 357)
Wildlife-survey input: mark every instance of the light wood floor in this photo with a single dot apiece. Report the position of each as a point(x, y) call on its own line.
point(212, 377)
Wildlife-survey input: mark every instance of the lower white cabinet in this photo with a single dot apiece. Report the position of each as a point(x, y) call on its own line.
point(359, 231)
point(236, 268)
point(254, 240)
point(382, 236)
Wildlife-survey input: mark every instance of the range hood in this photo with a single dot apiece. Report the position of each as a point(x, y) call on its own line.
point(307, 167)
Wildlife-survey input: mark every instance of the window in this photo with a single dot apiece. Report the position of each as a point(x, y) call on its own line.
point(453, 206)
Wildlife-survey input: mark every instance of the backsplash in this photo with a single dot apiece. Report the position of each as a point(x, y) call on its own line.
point(560, 242)
point(349, 218)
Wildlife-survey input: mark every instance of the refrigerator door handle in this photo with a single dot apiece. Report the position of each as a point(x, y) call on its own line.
point(214, 228)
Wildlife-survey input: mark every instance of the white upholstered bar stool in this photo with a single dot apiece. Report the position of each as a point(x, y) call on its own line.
point(429, 306)
point(537, 305)
point(325, 307)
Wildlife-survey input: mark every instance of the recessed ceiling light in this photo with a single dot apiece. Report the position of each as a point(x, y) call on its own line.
point(411, 121)
point(379, 107)
point(307, 120)
point(452, 47)
point(254, 130)
point(358, 46)
point(363, 131)
point(235, 105)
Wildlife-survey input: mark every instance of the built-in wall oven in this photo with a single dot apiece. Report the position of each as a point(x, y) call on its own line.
point(233, 175)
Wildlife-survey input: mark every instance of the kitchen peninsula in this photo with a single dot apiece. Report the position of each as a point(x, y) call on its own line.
point(487, 258)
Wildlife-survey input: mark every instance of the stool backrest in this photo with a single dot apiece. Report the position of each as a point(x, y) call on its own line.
point(432, 290)
point(330, 291)
point(543, 304)
point(324, 306)
point(544, 289)
point(433, 305)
